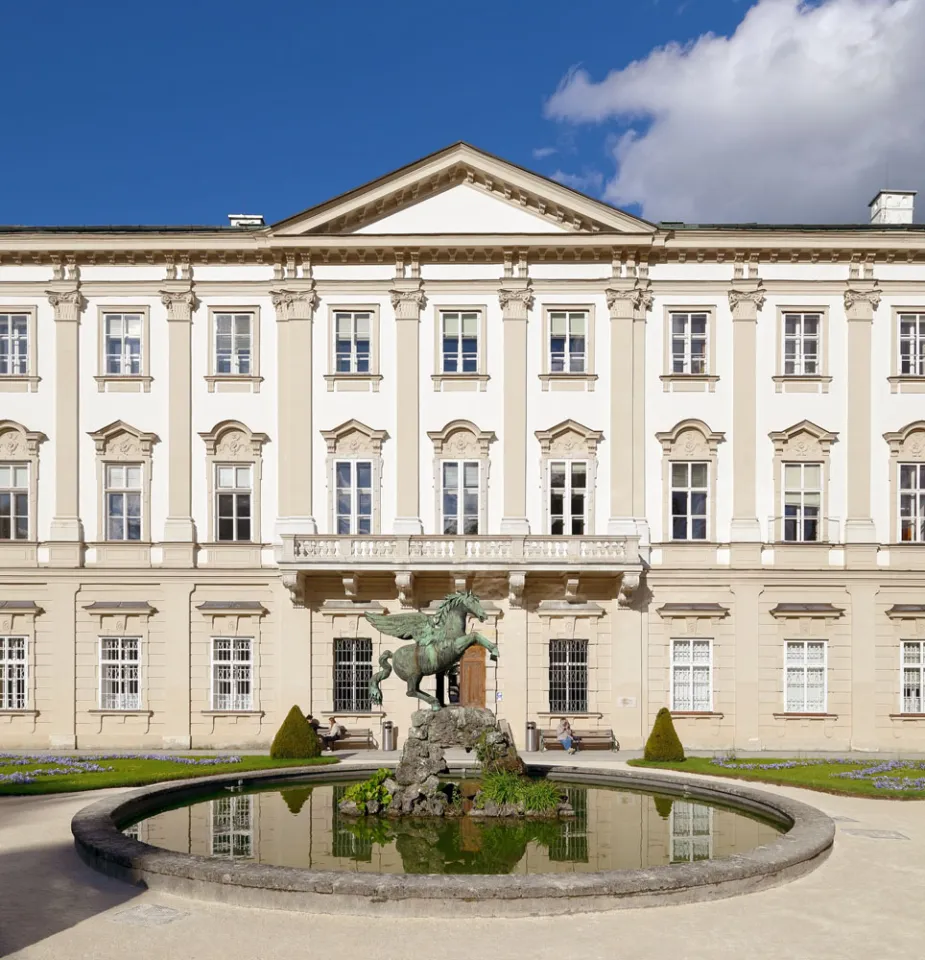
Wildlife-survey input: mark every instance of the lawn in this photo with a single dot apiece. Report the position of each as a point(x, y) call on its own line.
point(38, 773)
point(888, 779)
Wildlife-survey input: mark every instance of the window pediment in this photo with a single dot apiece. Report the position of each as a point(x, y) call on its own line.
point(690, 440)
point(354, 439)
point(18, 443)
point(909, 442)
point(803, 441)
point(461, 438)
point(232, 440)
point(121, 441)
point(569, 439)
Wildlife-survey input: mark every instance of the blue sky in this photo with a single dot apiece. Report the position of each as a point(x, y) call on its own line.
point(181, 112)
point(709, 110)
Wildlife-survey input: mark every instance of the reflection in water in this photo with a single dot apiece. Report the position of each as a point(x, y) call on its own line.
point(300, 826)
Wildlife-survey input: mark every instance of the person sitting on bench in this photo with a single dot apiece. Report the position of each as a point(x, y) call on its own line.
point(565, 737)
point(336, 731)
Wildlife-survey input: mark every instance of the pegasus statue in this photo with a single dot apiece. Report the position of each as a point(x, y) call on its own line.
point(439, 641)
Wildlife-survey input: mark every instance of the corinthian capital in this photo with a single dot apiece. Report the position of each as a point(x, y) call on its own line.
point(67, 304)
point(516, 302)
point(180, 304)
point(294, 304)
point(866, 301)
point(408, 302)
point(746, 298)
point(627, 302)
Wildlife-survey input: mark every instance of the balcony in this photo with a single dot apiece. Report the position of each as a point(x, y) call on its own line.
point(423, 552)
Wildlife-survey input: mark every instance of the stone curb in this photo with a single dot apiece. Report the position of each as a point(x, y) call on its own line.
point(100, 843)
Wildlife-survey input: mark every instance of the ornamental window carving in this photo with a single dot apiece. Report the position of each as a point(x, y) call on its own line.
point(461, 472)
point(689, 470)
point(907, 483)
point(234, 464)
point(568, 467)
point(354, 471)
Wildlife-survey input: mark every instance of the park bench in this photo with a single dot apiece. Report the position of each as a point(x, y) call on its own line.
point(585, 740)
point(356, 738)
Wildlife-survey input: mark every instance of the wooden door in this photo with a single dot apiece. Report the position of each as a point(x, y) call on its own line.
point(472, 677)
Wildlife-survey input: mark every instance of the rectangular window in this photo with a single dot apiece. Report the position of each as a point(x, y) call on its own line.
point(804, 676)
point(460, 496)
point(691, 831)
point(353, 667)
point(692, 675)
point(14, 501)
point(14, 344)
point(568, 676)
point(568, 332)
point(353, 480)
point(912, 344)
point(913, 676)
point(123, 501)
point(802, 502)
point(912, 502)
point(460, 337)
point(13, 673)
point(234, 343)
point(688, 343)
point(232, 674)
point(120, 673)
point(123, 332)
point(352, 341)
point(568, 497)
point(233, 501)
point(233, 827)
point(689, 501)
point(802, 332)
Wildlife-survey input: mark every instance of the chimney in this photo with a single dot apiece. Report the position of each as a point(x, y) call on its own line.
point(892, 206)
point(245, 219)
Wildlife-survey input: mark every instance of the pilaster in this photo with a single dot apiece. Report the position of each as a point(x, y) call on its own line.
point(745, 301)
point(295, 312)
point(861, 300)
point(407, 301)
point(66, 528)
point(516, 299)
point(179, 528)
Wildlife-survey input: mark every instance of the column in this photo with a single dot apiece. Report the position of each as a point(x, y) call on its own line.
point(514, 680)
point(408, 300)
point(747, 665)
point(179, 529)
point(176, 672)
point(864, 707)
point(516, 300)
point(859, 307)
point(66, 528)
point(744, 304)
point(295, 313)
point(59, 693)
point(641, 307)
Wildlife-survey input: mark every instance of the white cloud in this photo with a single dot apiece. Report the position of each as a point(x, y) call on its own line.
point(590, 181)
point(801, 115)
point(541, 152)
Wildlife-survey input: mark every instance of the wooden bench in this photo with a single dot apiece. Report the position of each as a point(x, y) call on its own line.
point(584, 740)
point(356, 738)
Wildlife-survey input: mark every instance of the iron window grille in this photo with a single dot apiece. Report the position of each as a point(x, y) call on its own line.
point(232, 673)
point(802, 333)
point(689, 490)
point(353, 481)
point(233, 827)
point(689, 343)
point(568, 331)
point(233, 343)
point(123, 501)
point(804, 676)
point(913, 676)
point(353, 668)
point(571, 843)
point(123, 343)
point(692, 675)
point(568, 676)
point(120, 673)
point(14, 344)
point(13, 692)
point(460, 341)
point(345, 843)
point(460, 496)
point(568, 497)
point(912, 344)
point(352, 342)
point(912, 502)
point(14, 501)
point(233, 502)
point(691, 829)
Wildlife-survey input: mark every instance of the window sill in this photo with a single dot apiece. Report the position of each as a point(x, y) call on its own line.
point(363, 382)
point(15, 712)
point(688, 382)
point(569, 381)
point(696, 714)
point(233, 383)
point(907, 383)
point(353, 713)
point(548, 715)
point(18, 383)
point(805, 716)
point(127, 383)
point(121, 713)
point(791, 383)
point(920, 717)
point(448, 382)
point(232, 713)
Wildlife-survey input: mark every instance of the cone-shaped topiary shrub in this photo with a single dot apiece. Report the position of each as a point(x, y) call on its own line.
point(663, 743)
point(295, 739)
point(663, 807)
point(295, 798)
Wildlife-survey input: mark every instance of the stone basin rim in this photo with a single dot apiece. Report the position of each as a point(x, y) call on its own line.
point(100, 843)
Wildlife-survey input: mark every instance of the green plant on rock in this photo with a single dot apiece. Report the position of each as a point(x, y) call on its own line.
point(537, 796)
point(370, 791)
point(664, 744)
point(295, 739)
point(541, 796)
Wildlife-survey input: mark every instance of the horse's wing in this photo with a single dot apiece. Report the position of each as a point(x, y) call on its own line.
point(404, 626)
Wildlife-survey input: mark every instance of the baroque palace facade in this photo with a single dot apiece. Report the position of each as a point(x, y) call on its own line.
point(681, 465)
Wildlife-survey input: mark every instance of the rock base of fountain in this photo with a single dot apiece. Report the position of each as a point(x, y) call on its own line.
point(418, 787)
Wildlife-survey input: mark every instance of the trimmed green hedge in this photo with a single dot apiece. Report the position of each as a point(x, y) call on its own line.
point(663, 743)
point(295, 739)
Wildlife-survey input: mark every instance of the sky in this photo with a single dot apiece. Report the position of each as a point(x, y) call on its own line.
point(184, 111)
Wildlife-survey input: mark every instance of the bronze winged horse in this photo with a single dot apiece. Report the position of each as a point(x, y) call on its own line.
point(439, 641)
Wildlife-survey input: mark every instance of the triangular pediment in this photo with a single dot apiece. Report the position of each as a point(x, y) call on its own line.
point(461, 190)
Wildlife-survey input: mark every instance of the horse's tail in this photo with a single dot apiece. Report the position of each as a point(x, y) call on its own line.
point(375, 692)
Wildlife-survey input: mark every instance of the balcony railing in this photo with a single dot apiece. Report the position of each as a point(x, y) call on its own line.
point(435, 552)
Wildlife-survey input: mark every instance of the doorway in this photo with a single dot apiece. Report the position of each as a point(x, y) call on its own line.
point(470, 678)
